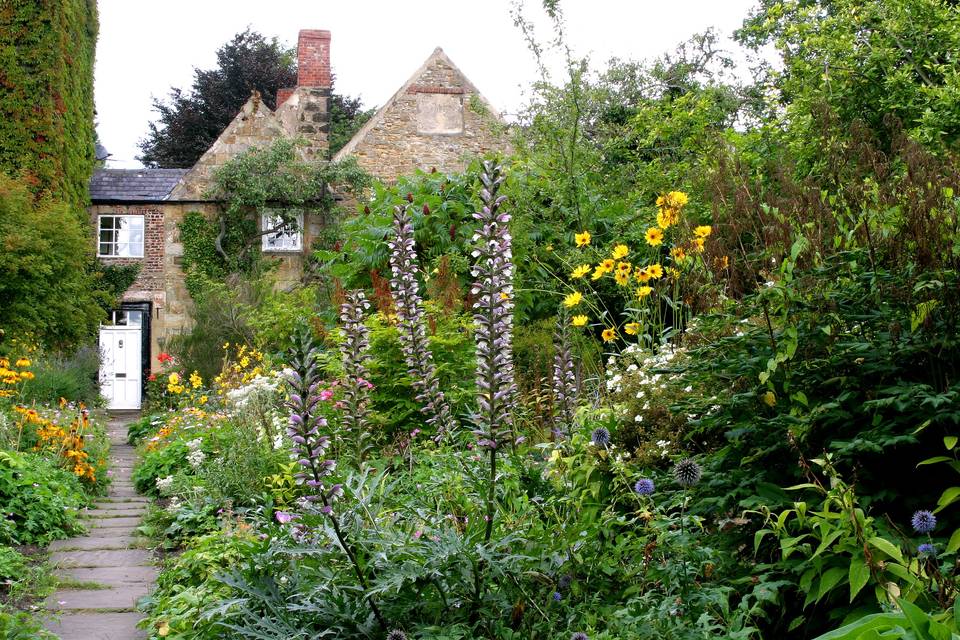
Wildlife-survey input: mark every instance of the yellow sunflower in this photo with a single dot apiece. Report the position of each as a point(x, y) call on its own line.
point(598, 272)
point(608, 334)
point(632, 328)
point(578, 321)
point(607, 265)
point(642, 275)
point(622, 278)
point(643, 292)
point(655, 271)
point(620, 251)
point(703, 231)
point(580, 271)
point(654, 236)
point(583, 239)
point(697, 244)
point(573, 299)
point(678, 254)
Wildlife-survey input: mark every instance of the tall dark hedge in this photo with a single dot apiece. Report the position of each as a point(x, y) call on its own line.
point(46, 95)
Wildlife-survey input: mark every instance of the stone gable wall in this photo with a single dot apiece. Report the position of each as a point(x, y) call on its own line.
point(440, 98)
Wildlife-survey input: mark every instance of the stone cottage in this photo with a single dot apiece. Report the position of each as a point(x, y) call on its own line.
point(437, 119)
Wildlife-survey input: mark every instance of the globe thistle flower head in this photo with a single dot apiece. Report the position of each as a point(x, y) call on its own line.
point(557, 597)
point(579, 635)
point(600, 437)
point(644, 487)
point(564, 582)
point(396, 634)
point(923, 521)
point(687, 473)
point(927, 549)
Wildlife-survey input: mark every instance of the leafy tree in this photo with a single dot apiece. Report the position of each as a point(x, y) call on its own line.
point(47, 291)
point(191, 121)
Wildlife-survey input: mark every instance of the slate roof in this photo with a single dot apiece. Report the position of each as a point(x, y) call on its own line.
point(133, 185)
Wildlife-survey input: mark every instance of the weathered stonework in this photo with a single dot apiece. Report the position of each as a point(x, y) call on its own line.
point(438, 119)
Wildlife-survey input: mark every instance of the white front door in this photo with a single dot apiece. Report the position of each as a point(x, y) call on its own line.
point(120, 349)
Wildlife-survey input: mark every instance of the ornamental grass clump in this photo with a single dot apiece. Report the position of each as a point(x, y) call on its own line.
point(410, 323)
point(355, 355)
point(309, 447)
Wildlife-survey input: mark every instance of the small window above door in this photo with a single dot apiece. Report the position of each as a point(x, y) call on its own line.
point(125, 318)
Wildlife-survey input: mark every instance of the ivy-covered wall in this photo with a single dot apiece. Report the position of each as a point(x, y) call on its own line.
point(46, 95)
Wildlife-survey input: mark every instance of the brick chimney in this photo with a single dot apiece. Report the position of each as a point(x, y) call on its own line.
point(306, 114)
point(313, 58)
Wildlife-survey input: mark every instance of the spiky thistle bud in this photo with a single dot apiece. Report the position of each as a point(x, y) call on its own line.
point(493, 312)
point(687, 473)
point(413, 334)
point(355, 356)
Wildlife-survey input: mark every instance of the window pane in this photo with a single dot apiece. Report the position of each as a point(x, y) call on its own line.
point(106, 222)
point(133, 318)
point(106, 235)
point(105, 249)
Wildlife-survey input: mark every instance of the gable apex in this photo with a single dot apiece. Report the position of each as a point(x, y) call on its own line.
point(424, 80)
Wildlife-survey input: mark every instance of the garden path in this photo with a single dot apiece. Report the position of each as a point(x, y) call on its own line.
point(105, 572)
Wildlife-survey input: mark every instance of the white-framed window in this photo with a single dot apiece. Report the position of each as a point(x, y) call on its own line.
point(120, 236)
point(288, 238)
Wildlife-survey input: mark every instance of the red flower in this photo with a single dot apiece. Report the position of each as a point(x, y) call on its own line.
point(164, 357)
point(152, 377)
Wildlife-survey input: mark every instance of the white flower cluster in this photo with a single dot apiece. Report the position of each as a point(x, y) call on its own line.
point(196, 456)
point(164, 484)
point(635, 367)
point(260, 389)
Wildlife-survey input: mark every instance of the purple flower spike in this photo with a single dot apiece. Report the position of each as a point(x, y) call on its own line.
point(354, 351)
point(493, 312)
point(413, 334)
point(565, 388)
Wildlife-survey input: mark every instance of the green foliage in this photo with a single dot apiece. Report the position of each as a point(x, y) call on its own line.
point(143, 428)
point(46, 100)
point(46, 290)
point(115, 279)
point(40, 500)
point(159, 463)
point(57, 376)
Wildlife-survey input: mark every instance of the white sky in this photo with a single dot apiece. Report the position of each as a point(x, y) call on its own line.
point(145, 47)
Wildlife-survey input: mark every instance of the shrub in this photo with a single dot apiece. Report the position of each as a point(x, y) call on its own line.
point(73, 377)
point(40, 501)
point(159, 463)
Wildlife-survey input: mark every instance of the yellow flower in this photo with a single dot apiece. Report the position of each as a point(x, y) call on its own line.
point(703, 231)
point(674, 199)
point(608, 334)
point(580, 271)
point(226, 345)
point(23, 362)
point(625, 267)
point(607, 265)
point(573, 299)
point(642, 275)
point(666, 218)
point(583, 239)
point(655, 271)
point(598, 272)
point(578, 321)
point(643, 292)
point(620, 251)
point(654, 236)
point(173, 378)
point(622, 278)
point(698, 245)
point(27, 375)
point(722, 262)
point(678, 254)
point(195, 380)
point(632, 328)
point(770, 399)
point(203, 399)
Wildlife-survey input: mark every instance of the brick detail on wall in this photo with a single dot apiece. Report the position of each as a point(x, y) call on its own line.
point(313, 58)
point(151, 276)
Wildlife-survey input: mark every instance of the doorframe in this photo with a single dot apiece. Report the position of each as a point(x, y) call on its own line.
point(145, 355)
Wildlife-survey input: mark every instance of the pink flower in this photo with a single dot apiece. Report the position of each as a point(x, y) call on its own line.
point(326, 394)
point(283, 517)
point(417, 534)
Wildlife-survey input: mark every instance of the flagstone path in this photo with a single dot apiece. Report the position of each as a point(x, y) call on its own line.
point(105, 572)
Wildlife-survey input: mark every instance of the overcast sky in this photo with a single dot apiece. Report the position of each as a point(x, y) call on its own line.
point(145, 47)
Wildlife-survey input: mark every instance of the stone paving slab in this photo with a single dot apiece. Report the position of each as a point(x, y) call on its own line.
point(94, 544)
point(122, 598)
point(112, 576)
point(101, 558)
point(116, 512)
point(109, 523)
point(97, 626)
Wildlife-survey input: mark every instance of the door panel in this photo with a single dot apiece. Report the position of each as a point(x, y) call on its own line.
point(120, 376)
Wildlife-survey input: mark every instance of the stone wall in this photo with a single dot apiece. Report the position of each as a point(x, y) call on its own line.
point(438, 120)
